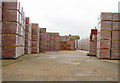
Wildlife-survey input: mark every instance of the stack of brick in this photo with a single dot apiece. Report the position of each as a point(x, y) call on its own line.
point(52, 42)
point(0, 29)
point(67, 43)
point(115, 47)
point(42, 40)
point(13, 30)
point(28, 31)
point(57, 42)
point(35, 38)
point(104, 36)
point(93, 42)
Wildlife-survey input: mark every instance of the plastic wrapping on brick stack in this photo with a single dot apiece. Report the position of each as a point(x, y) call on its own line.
point(13, 30)
point(28, 31)
point(0, 29)
point(93, 42)
point(35, 38)
point(42, 40)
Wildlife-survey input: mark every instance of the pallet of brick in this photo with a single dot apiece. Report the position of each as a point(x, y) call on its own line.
point(104, 36)
point(13, 30)
point(48, 40)
point(42, 40)
point(52, 38)
point(27, 36)
point(0, 29)
point(115, 46)
point(93, 42)
point(72, 43)
point(57, 42)
point(35, 38)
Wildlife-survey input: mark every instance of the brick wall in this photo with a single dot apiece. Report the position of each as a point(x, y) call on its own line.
point(28, 33)
point(35, 38)
point(13, 30)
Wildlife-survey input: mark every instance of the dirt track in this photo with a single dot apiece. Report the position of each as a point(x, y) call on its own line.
point(62, 66)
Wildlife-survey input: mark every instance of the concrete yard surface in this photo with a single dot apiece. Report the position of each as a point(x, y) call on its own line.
point(62, 66)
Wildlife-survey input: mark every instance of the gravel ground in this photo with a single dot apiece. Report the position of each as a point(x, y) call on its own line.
point(62, 66)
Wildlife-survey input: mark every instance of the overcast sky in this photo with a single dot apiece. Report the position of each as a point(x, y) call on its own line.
point(68, 16)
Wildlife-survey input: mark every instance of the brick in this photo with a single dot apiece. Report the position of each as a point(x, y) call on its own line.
point(11, 28)
point(9, 52)
point(35, 50)
point(106, 16)
point(43, 30)
point(115, 35)
point(106, 35)
point(104, 25)
point(104, 44)
point(11, 5)
point(103, 54)
point(0, 27)
point(27, 50)
point(116, 17)
point(115, 54)
point(34, 44)
point(116, 25)
point(0, 14)
point(0, 39)
point(9, 40)
point(0, 52)
point(93, 52)
point(11, 16)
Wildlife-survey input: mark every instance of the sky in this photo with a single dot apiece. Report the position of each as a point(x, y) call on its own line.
point(76, 17)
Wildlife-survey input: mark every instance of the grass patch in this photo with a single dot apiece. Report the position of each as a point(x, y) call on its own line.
point(6, 62)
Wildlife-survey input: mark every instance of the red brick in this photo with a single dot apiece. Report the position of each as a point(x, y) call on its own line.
point(11, 5)
point(104, 25)
point(0, 14)
point(0, 52)
point(115, 35)
point(43, 30)
point(106, 35)
point(103, 54)
point(11, 15)
point(104, 44)
point(115, 51)
point(0, 27)
point(116, 25)
point(106, 16)
point(12, 28)
point(9, 52)
point(9, 40)
point(116, 17)
point(35, 50)
point(0, 39)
